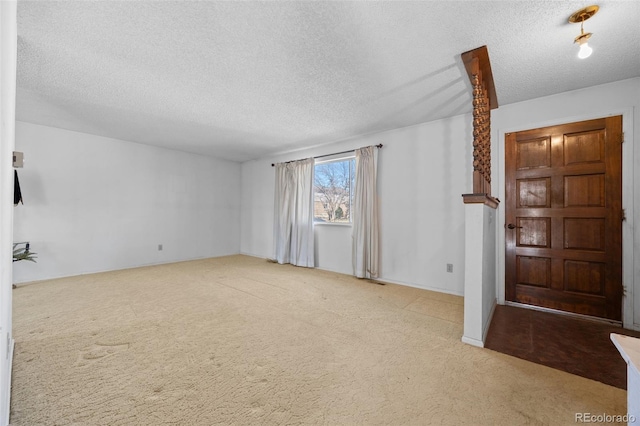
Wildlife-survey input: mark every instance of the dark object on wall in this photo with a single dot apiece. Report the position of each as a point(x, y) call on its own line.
point(23, 253)
point(17, 194)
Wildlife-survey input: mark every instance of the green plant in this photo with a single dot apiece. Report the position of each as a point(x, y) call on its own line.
point(23, 254)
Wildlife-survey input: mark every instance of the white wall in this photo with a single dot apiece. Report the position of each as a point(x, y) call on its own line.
point(480, 272)
point(422, 218)
point(94, 204)
point(618, 98)
point(488, 268)
point(422, 172)
point(8, 52)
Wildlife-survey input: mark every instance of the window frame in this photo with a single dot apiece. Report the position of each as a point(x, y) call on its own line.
point(343, 157)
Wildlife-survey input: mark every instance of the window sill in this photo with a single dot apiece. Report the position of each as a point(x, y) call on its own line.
point(332, 224)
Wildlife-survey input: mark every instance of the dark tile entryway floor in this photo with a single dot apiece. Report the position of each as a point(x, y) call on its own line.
point(576, 346)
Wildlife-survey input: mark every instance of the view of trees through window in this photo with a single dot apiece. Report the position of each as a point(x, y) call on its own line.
point(333, 191)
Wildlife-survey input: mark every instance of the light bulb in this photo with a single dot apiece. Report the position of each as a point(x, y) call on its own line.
point(585, 50)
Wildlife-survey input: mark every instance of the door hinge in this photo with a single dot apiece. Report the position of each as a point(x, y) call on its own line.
point(622, 141)
point(624, 215)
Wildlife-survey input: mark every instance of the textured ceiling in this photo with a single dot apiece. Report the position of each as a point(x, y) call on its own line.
point(243, 80)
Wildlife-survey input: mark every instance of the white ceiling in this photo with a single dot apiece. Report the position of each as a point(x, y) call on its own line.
point(243, 80)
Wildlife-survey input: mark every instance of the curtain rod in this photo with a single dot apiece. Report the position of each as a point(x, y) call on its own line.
point(328, 155)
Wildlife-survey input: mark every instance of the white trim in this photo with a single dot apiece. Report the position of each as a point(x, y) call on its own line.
point(385, 281)
point(378, 280)
point(628, 183)
point(472, 342)
point(347, 224)
point(412, 285)
point(12, 344)
point(145, 265)
point(627, 202)
point(259, 256)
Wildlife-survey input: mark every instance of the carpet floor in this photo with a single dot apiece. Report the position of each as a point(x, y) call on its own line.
point(238, 340)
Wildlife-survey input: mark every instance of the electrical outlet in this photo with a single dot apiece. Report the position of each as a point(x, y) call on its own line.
point(159, 247)
point(449, 267)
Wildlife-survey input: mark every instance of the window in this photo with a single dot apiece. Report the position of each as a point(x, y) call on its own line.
point(333, 190)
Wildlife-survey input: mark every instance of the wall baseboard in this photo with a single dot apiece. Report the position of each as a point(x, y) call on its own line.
point(380, 280)
point(421, 287)
point(473, 342)
point(145, 265)
point(5, 420)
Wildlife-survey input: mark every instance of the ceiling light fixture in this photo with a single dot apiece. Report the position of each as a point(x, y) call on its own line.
point(581, 16)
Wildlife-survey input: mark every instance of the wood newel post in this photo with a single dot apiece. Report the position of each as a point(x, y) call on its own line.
point(480, 205)
point(484, 100)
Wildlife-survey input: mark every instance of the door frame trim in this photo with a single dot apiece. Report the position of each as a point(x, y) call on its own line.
point(627, 203)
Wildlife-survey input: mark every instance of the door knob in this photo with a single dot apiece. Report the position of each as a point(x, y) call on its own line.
point(512, 226)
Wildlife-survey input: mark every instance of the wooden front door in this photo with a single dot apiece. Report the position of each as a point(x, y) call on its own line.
point(563, 217)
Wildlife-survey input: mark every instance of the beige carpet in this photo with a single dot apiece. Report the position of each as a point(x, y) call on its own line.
point(238, 340)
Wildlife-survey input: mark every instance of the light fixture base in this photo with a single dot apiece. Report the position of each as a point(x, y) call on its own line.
point(582, 38)
point(583, 14)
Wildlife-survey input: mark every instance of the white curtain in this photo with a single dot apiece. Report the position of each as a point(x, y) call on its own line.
point(365, 214)
point(293, 229)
